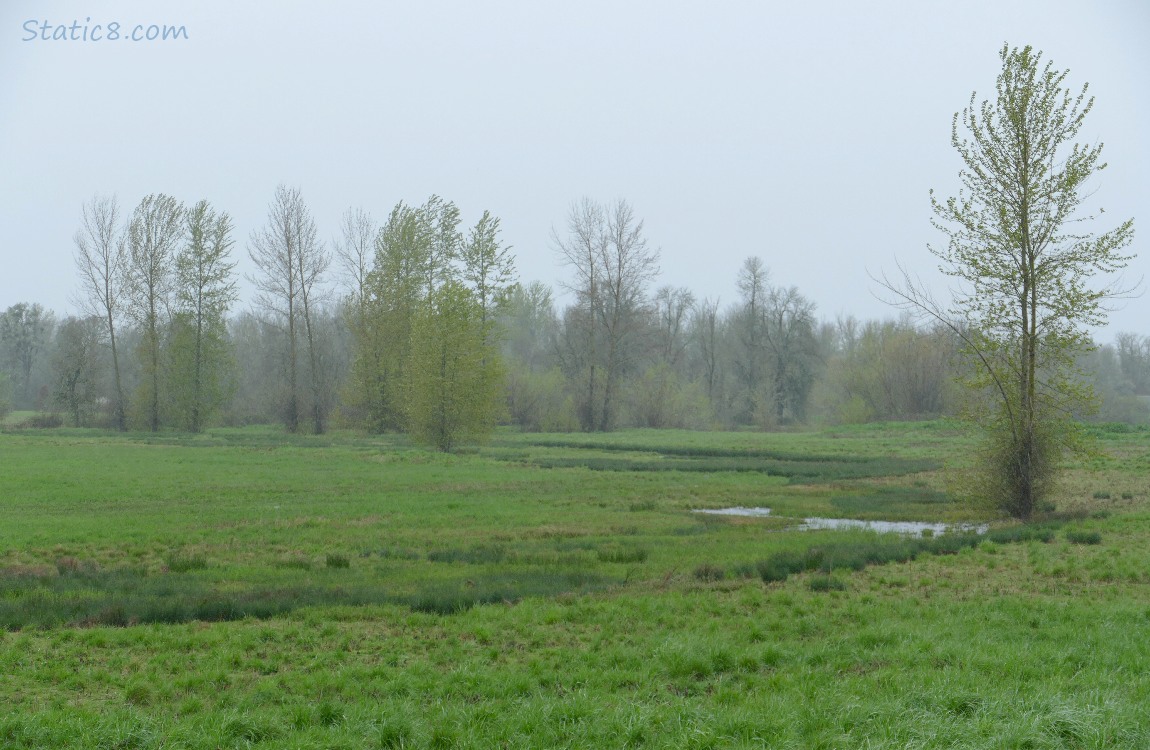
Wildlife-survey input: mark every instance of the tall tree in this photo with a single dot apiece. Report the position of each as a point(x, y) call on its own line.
point(291, 262)
point(748, 328)
point(1025, 268)
point(613, 266)
point(488, 266)
point(101, 259)
point(153, 237)
point(395, 288)
point(792, 351)
point(205, 291)
point(673, 307)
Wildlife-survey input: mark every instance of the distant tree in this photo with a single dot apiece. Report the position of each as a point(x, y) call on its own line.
point(792, 351)
point(354, 253)
point(395, 288)
point(205, 289)
point(454, 378)
point(5, 394)
point(488, 266)
point(101, 261)
point(705, 331)
point(1134, 359)
point(673, 307)
point(154, 235)
point(748, 329)
point(76, 364)
point(613, 266)
point(25, 332)
point(1024, 267)
point(291, 262)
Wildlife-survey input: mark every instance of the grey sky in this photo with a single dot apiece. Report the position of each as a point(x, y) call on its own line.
point(806, 133)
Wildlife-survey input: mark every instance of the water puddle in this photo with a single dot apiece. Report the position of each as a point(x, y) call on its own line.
point(911, 528)
point(737, 511)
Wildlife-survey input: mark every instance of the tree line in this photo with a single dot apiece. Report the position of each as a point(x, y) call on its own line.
point(417, 325)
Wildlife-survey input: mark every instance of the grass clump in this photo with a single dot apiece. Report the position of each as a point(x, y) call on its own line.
point(1101, 495)
point(1076, 536)
point(623, 554)
point(709, 572)
point(337, 561)
point(826, 583)
point(186, 562)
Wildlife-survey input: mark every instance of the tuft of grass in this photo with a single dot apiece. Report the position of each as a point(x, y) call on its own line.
point(1075, 536)
point(710, 572)
point(622, 554)
point(826, 583)
point(1101, 495)
point(296, 562)
point(336, 560)
point(184, 562)
point(476, 555)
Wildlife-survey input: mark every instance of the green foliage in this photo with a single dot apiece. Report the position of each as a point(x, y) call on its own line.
point(205, 289)
point(454, 381)
point(1023, 266)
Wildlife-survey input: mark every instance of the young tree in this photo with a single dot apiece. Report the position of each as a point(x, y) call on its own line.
point(101, 260)
point(454, 378)
point(153, 236)
point(205, 291)
point(1024, 268)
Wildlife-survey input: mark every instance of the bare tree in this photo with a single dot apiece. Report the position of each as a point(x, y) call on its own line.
point(672, 308)
point(355, 252)
point(581, 250)
point(101, 257)
point(291, 261)
point(705, 326)
point(613, 266)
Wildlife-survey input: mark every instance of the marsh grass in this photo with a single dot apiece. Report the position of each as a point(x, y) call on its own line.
point(565, 638)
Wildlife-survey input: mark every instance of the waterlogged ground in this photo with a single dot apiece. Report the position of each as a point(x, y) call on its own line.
point(246, 589)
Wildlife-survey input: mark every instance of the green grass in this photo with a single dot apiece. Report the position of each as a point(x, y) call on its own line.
point(347, 592)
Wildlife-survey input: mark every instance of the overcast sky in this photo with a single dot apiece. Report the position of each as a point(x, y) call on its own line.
point(807, 133)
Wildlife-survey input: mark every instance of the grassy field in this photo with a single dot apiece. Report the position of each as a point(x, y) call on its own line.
point(247, 588)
